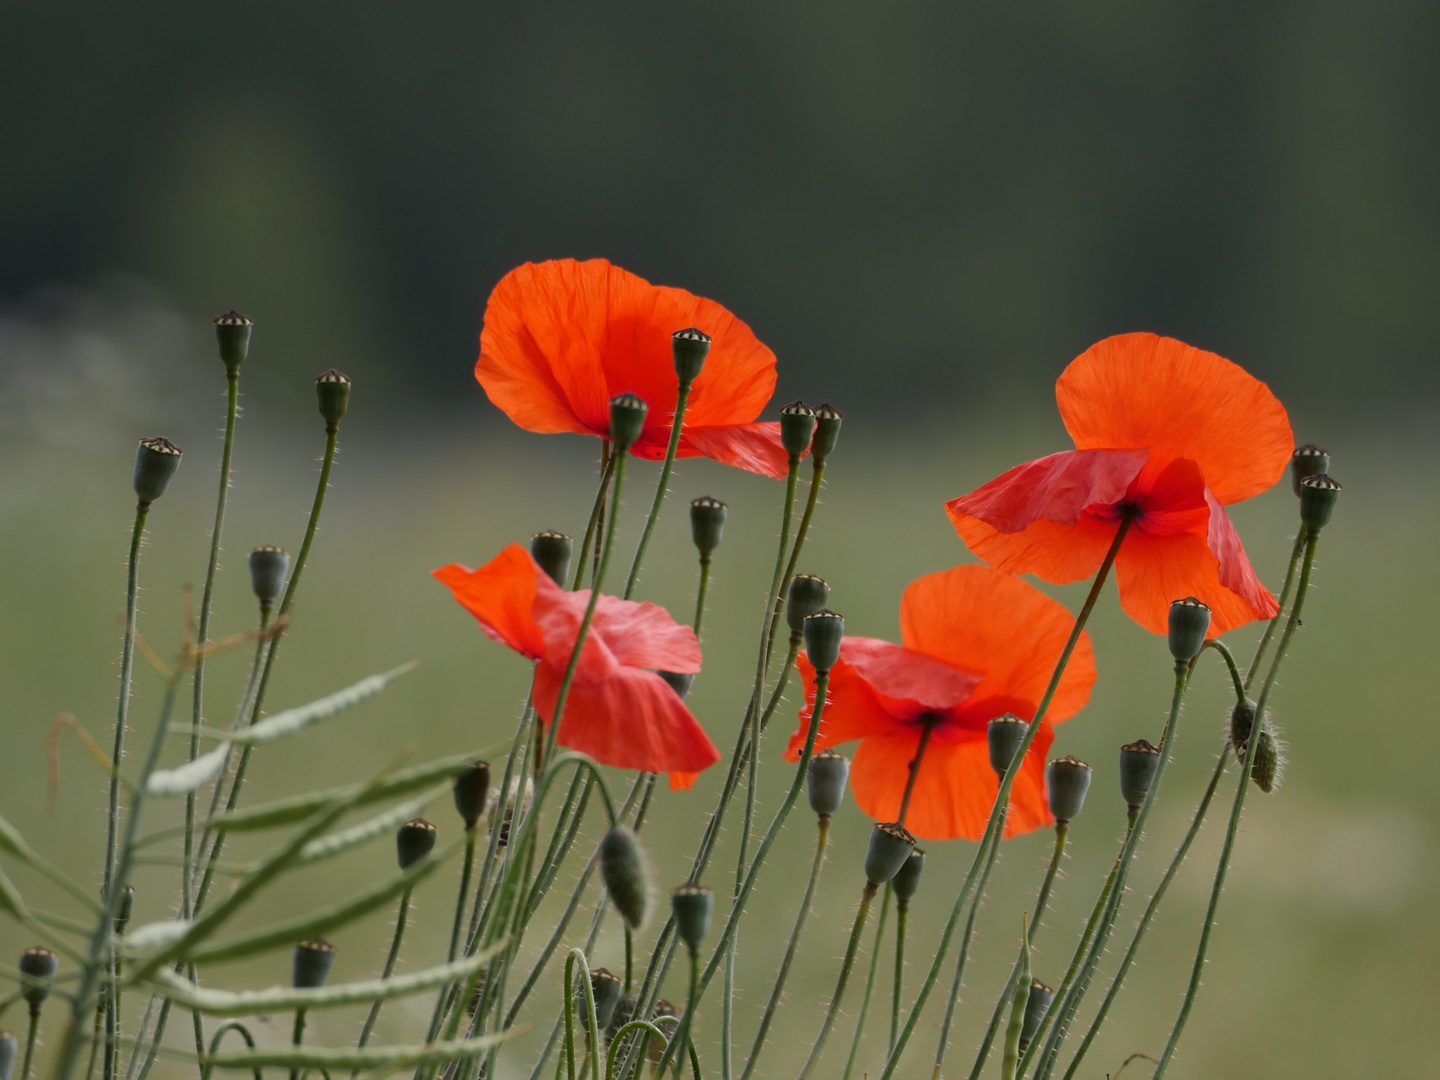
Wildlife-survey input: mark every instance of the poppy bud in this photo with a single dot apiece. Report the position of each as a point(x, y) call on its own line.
point(1067, 779)
point(890, 846)
point(707, 523)
point(825, 781)
point(9, 1048)
point(156, 461)
point(624, 1013)
point(1005, 734)
point(1242, 721)
point(1035, 1008)
point(127, 908)
point(907, 879)
point(690, 347)
point(1318, 496)
point(232, 333)
point(626, 875)
point(797, 425)
point(268, 567)
point(823, 632)
point(680, 681)
point(37, 975)
point(413, 841)
point(691, 905)
point(332, 392)
point(827, 431)
point(1138, 762)
point(808, 594)
point(1307, 461)
point(471, 788)
point(552, 551)
point(312, 964)
point(1189, 620)
point(606, 988)
point(1269, 761)
point(656, 1050)
point(627, 420)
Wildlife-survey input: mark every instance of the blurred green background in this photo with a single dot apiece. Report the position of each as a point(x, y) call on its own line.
point(927, 211)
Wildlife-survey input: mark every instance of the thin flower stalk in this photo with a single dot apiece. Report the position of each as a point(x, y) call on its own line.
point(705, 559)
point(401, 918)
point(467, 871)
point(1296, 553)
point(1011, 1057)
point(812, 498)
point(122, 710)
point(852, 947)
point(662, 487)
point(595, 526)
point(869, 992)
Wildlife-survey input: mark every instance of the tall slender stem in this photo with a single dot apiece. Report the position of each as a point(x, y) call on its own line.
point(401, 917)
point(122, 711)
point(1295, 554)
point(926, 727)
point(30, 1044)
point(851, 948)
point(296, 1038)
point(597, 517)
point(472, 834)
point(897, 987)
point(869, 993)
point(700, 592)
point(817, 474)
point(1011, 1056)
point(661, 488)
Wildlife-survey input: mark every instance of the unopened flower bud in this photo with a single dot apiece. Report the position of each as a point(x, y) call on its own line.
point(1307, 461)
point(807, 595)
point(1318, 496)
point(690, 347)
point(1242, 722)
point(413, 841)
point(127, 908)
point(312, 964)
point(332, 393)
point(797, 426)
point(1269, 761)
point(656, 1049)
point(626, 875)
point(707, 523)
point(471, 789)
point(232, 333)
point(268, 567)
point(1189, 622)
point(827, 431)
point(825, 779)
point(823, 631)
point(552, 551)
point(906, 882)
point(1004, 734)
point(624, 1013)
point(627, 420)
point(680, 681)
point(606, 988)
point(1035, 1007)
point(38, 966)
point(1067, 779)
point(691, 905)
point(1138, 762)
point(890, 845)
point(9, 1048)
point(156, 461)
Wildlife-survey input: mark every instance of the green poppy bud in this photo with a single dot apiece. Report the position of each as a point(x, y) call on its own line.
point(797, 426)
point(1067, 779)
point(707, 523)
point(655, 1050)
point(823, 633)
point(268, 567)
point(680, 681)
point(807, 595)
point(471, 788)
point(907, 879)
point(890, 846)
point(413, 841)
point(825, 779)
point(1035, 1007)
point(1004, 735)
point(38, 966)
point(624, 1013)
point(127, 908)
point(552, 550)
point(312, 964)
point(332, 393)
point(690, 347)
point(1269, 762)
point(827, 431)
point(692, 905)
point(624, 869)
point(9, 1048)
point(156, 461)
point(1242, 722)
point(1309, 460)
point(232, 333)
point(1318, 496)
point(1189, 622)
point(607, 990)
point(627, 420)
point(1138, 762)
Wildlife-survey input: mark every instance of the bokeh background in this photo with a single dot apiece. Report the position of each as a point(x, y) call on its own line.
point(926, 210)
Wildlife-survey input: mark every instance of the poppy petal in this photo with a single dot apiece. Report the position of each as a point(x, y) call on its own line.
point(1057, 488)
point(682, 781)
point(1236, 573)
point(644, 635)
point(1152, 571)
point(753, 447)
point(501, 594)
point(897, 672)
point(853, 710)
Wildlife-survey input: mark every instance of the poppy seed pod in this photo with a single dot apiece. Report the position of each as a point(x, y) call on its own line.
point(1269, 761)
point(690, 347)
point(1242, 722)
point(827, 431)
point(1318, 496)
point(797, 426)
point(413, 841)
point(312, 964)
point(1189, 622)
point(332, 393)
point(907, 879)
point(156, 461)
point(232, 334)
point(707, 523)
point(825, 779)
point(624, 869)
point(1004, 734)
point(807, 595)
point(1309, 460)
point(127, 908)
point(1035, 1008)
point(9, 1048)
point(552, 550)
point(471, 788)
point(607, 990)
point(1067, 779)
point(38, 966)
point(823, 633)
point(627, 420)
point(680, 681)
point(691, 905)
point(268, 567)
point(1138, 762)
point(890, 845)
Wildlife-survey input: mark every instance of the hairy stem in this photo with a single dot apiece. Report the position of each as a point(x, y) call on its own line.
point(869, 993)
point(662, 487)
point(851, 948)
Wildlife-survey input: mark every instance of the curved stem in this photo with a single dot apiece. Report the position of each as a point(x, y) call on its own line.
point(661, 488)
point(401, 917)
point(1229, 658)
point(220, 1033)
point(851, 947)
point(1295, 553)
point(1011, 1056)
point(869, 993)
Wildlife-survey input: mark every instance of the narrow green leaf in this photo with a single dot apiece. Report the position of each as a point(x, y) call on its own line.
point(380, 825)
point(292, 720)
point(372, 1057)
point(186, 778)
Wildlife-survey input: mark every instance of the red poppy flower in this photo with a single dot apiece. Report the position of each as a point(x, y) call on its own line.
point(976, 644)
point(562, 338)
point(1167, 432)
point(617, 712)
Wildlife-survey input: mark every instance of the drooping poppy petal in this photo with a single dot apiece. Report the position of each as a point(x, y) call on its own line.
point(501, 594)
point(753, 447)
point(853, 710)
point(1057, 488)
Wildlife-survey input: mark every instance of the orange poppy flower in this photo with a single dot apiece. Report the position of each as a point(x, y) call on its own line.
point(1168, 432)
point(976, 644)
point(617, 712)
point(562, 338)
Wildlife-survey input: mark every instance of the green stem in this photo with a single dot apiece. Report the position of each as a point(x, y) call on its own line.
point(700, 593)
point(30, 1044)
point(851, 947)
point(817, 474)
point(1229, 658)
point(220, 1033)
point(597, 516)
point(1011, 1056)
point(95, 1041)
point(902, 920)
point(113, 1017)
point(1295, 554)
point(926, 727)
point(296, 1038)
point(400, 920)
point(472, 834)
point(122, 711)
point(866, 997)
point(661, 489)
